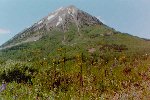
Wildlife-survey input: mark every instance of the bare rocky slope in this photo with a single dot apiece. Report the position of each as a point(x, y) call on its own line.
point(59, 19)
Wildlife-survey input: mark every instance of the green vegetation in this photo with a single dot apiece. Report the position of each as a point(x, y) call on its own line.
point(97, 63)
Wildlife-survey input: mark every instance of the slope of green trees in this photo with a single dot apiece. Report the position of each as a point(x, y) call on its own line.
point(99, 64)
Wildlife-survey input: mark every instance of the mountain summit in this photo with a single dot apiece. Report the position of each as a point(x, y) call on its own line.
point(60, 19)
point(63, 16)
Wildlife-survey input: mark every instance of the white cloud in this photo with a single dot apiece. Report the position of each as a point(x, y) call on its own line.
point(4, 31)
point(101, 19)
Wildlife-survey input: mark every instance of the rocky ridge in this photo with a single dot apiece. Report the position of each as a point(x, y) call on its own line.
point(60, 19)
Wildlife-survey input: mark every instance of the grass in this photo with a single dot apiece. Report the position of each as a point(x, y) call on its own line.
point(80, 78)
point(118, 68)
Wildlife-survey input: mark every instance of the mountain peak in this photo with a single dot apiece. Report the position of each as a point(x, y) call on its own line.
point(58, 17)
point(71, 6)
point(61, 19)
point(66, 15)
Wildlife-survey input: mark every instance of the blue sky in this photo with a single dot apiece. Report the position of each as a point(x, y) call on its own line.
point(129, 16)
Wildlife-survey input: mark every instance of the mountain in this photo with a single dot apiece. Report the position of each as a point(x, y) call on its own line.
point(71, 55)
point(60, 19)
point(73, 29)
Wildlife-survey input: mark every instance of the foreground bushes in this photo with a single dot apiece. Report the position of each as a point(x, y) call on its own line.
point(76, 78)
point(17, 72)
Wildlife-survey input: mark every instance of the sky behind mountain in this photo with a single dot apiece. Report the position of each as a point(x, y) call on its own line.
point(129, 16)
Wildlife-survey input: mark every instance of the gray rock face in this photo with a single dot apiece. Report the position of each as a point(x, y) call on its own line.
point(58, 19)
point(62, 16)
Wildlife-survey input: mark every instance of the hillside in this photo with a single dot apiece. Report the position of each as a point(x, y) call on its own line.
point(73, 29)
point(70, 54)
